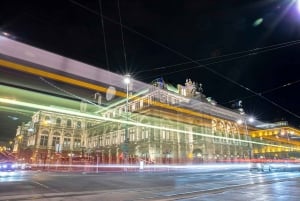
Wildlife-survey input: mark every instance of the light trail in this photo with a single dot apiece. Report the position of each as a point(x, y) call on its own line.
point(65, 79)
point(86, 115)
point(53, 76)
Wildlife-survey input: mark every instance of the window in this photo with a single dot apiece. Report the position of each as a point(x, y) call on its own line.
point(163, 134)
point(107, 140)
point(47, 120)
point(101, 141)
point(58, 121)
point(69, 123)
point(55, 141)
point(132, 134)
point(44, 140)
point(114, 138)
point(78, 124)
point(77, 143)
point(141, 103)
point(67, 142)
point(133, 107)
point(89, 124)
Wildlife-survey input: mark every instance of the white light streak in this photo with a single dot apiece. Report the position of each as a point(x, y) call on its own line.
point(73, 112)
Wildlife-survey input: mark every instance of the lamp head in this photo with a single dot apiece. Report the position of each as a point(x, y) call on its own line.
point(127, 79)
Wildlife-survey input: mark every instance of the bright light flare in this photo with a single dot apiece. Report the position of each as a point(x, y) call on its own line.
point(127, 79)
point(298, 5)
point(251, 119)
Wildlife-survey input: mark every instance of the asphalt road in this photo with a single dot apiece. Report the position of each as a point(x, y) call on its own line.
point(187, 185)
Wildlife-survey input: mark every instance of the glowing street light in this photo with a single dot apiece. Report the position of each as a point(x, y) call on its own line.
point(251, 119)
point(127, 79)
point(240, 122)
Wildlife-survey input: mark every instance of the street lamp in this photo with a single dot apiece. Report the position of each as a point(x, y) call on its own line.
point(244, 120)
point(127, 81)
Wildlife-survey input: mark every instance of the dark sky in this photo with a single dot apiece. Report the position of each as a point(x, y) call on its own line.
point(239, 50)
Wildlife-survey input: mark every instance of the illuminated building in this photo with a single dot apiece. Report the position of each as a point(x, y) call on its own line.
point(172, 128)
point(164, 126)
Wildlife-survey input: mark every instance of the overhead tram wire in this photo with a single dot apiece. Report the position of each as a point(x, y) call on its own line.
point(122, 34)
point(264, 92)
point(252, 53)
point(249, 53)
point(188, 58)
point(103, 31)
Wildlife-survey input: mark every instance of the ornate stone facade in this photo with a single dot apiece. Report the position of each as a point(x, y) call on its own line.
point(163, 127)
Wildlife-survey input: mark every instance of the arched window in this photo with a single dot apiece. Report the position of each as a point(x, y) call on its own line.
point(56, 138)
point(67, 140)
point(58, 121)
point(69, 123)
point(77, 143)
point(47, 120)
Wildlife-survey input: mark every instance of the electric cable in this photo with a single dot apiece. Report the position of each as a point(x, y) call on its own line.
point(104, 38)
point(122, 34)
point(250, 52)
point(265, 92)
point(229, 59)
point(191, 60)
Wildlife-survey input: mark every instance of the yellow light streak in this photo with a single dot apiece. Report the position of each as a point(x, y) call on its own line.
point(53, 76)
point(42, 73)
point(31, 70)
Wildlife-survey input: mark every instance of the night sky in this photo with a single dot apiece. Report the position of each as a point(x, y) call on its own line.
point(239, 50)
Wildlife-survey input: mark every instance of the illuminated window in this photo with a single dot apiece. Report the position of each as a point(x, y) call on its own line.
point(141, 103)
point(67, 142)
point(133, 107)
point(163, 134)
point(77, 143)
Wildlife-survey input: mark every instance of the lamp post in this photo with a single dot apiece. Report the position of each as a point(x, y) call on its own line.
point(251, 120)
point(126, 141)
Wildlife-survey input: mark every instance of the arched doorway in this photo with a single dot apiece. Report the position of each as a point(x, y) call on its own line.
point(197, 156)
